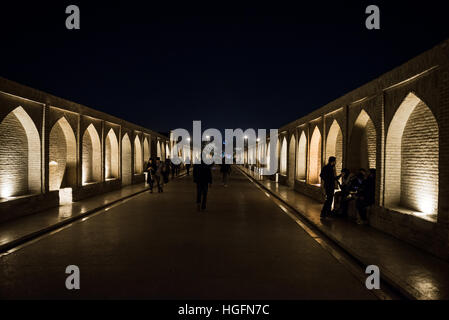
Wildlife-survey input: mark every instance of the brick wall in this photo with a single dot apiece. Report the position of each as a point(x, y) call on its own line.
point(91, 163)
point(58, 157)
point(419, 161)
point(111, 156)
point(315, 157)
point(13, 158)
point(301, 157)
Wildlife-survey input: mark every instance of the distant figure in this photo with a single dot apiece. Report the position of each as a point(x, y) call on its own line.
point(150, 173)
point(365, 196)
point(328, 186)
point(188, 166)
point(202, 176)
point(225, 170)
point(166, 170)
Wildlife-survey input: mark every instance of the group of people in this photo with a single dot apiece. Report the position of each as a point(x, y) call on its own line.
point(158, 174)
point(359, 187)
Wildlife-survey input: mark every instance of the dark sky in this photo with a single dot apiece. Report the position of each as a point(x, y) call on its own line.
point(229, 64)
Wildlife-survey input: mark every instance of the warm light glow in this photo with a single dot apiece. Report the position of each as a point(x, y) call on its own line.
point(65, 196)
point(53, 163)
point(426, 205)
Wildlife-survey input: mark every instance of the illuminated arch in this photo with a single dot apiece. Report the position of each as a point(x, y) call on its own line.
point(291, 160)
point(126, 160)
point(362, 145)
point(112, 156)
point(91, 162)
point(412, 158)
point(315, 157)
point(334, 145)
point(302, 158)
point(146, 150)
point(62, 156)
point(20, 155)
point(137, 156)
point(283, 157)
point(159, 153)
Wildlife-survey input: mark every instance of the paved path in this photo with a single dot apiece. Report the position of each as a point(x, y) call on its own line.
point(158, 246)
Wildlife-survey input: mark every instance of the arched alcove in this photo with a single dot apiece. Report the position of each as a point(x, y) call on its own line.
point(291, 161)
point(334, 145)
point(159, 153)
point(146, 151)
point(315, 157)
point(137, 156)
point(362, 145)
point(91, 166)
point(412, 158)
point(20, 155)
point(126, 160)
point(62, 156)
point(112, 156)
point(268, 156)
point(301, 158)
point(283, 157)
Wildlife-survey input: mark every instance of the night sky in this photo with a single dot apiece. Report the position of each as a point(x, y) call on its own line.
point(258, 65)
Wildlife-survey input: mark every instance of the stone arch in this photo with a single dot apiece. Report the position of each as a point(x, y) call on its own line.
point(283, 157)
point(112, 156)
point(412, 158)
point(301, 156)
point(362, 146)
point(334, 145)
point(291, 161)
point(315, 157)
point(20, 155)
point(91, 162)
point(167, 150)
point(126, 160)
point(146, 151)
point(62, 156)
point(137, 156)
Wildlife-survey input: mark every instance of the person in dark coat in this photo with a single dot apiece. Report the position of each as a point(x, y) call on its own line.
point(366, 196)
point(202, 176)
point(188, 166)
point(150, 169)
point(328, 180)
point(225, 170)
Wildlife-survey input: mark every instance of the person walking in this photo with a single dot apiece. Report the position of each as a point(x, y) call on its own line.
point(150, 173)
point(328, 186)
point(202, 176)
point(225, 170)
point(158, 174)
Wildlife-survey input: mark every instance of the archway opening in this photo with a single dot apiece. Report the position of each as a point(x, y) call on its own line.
point(112, 156)
point(334, 145)
point(137, 156)
point(91, 162)
point(159, 153)
point(291, 161)
point(126, 160)
point(146, 151)
point(412, 159)
point(20, 155)
point(301, 158)
point(362, 146)
point(62, 156)
point(315, 158)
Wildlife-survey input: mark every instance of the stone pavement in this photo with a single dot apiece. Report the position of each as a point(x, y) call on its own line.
point(17, 231)
point(414, 272)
